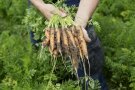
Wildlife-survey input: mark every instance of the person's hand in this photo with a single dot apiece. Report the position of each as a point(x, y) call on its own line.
point(48, 10)
point(52, 10)
point(81, 22)
point(85, 34)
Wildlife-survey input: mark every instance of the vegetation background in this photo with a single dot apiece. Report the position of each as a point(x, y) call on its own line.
point(21, 69)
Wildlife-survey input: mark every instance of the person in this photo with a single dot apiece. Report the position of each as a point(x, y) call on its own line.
point(85, 11)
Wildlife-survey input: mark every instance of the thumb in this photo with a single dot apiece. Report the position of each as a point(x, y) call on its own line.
point(86, 36)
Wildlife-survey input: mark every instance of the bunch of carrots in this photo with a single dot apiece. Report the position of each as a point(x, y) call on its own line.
point(63, 38)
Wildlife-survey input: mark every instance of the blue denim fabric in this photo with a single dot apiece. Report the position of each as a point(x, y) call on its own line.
point(32, 38)
point(33, 41)
point(72, 2)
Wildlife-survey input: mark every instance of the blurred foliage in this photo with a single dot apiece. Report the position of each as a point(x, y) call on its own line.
point(116, 19)
point(21, 68)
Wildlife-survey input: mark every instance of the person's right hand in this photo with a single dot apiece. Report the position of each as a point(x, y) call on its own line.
point(51, 10)
point(48, 10)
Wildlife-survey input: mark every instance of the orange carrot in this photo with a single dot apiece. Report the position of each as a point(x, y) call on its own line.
point(58, 34)
point(82, 42)
point(47, 39)
point(65, 41)
point(78, 47)
point(70, 36)
point(52, 43)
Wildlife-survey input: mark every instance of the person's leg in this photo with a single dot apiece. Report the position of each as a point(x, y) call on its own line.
point(96, 59)
point(98, 75)
point(102, 82)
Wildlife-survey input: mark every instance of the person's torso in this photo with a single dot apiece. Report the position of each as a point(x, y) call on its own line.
point(72, 2)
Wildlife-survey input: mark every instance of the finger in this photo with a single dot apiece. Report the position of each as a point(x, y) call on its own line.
point(58, 12)
point(86, 36)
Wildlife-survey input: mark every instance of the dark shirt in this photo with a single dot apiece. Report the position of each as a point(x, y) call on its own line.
point(72, 2)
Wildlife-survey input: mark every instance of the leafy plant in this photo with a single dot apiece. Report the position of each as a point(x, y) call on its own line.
point(21, 68)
